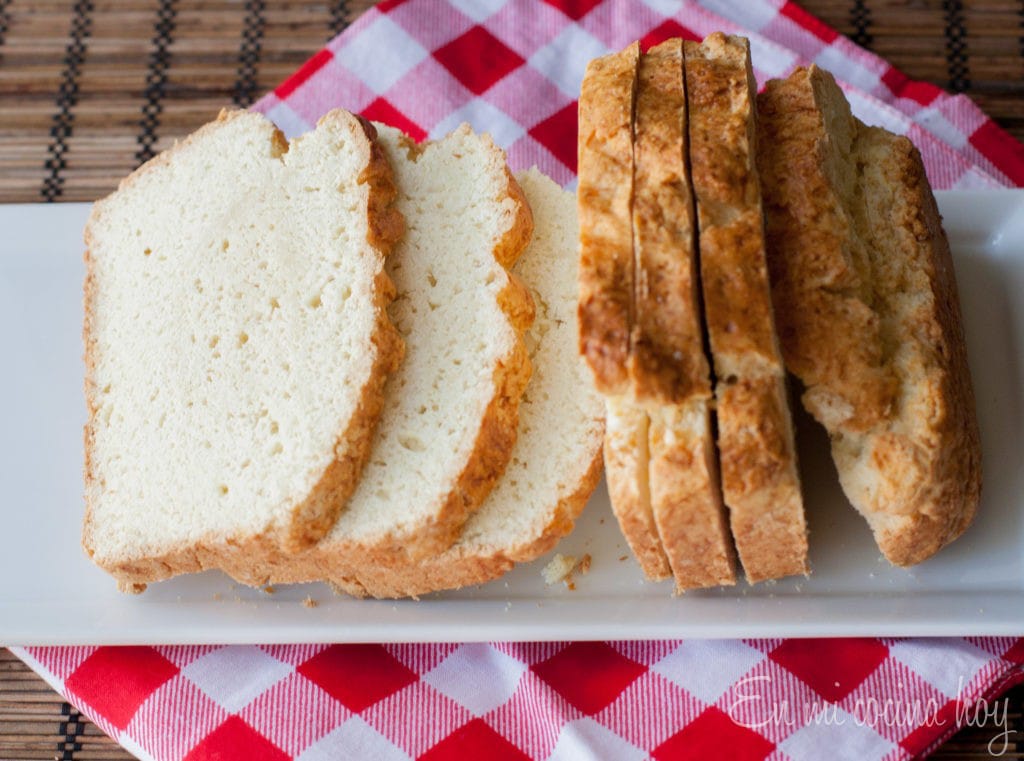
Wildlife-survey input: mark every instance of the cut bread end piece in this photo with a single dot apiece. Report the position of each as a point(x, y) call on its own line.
point(556, 461)
point(604, 197)
point(450, 417)
point(228, 320)
point(900, 409)
point(751, 401)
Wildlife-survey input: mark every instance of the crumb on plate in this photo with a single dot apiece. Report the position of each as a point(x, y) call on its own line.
point(562, 567)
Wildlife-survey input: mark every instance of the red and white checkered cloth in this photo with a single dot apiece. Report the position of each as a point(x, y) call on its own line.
point(513, 68)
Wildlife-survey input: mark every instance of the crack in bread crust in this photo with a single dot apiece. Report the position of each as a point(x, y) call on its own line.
point(667, 362)
point(627, 469)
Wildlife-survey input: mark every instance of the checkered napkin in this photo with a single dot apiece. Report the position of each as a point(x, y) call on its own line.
point(513, 68)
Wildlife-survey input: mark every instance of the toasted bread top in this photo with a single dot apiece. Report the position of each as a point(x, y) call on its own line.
point(667, 361)
point(829, 327)
point(737, 302)
point(604, 198)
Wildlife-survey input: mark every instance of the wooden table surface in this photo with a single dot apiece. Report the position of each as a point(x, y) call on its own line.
point(91, 88)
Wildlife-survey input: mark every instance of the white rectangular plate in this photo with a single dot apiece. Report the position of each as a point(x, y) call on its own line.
point(51, 594)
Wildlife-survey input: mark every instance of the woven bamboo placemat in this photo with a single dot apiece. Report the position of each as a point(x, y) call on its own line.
point(91, 88)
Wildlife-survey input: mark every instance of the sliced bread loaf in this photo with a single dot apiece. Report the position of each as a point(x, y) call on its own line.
point(755, 436)
point(869, 316)
point(556, 461)
point(450, 415)
point(670, 370)
point(659, 453)
point(607, 292)
point(236, 344)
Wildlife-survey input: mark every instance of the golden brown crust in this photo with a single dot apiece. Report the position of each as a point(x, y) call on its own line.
point(956, 465)
point(515, 241)
point(910, 465)
point(685, 497)
point(604, 197)
point(921, 485)
point(737, 303)
point(626, 462)
point(667, 362)
point(821, 289)
point(755, 438)
point(491, 452)
point(311, 519)
point(385, 222)
point(89, 357)
point(460, 568)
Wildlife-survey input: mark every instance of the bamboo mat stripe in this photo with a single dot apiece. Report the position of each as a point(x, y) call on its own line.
point(339, 17)
point(4, 20)
point(156, 79)
point(67, 98)
point(860, 20)
point(956, 47)
point(249, 53)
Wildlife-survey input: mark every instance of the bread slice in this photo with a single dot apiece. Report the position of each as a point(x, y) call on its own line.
point(659, 452)
point(556, 461)
point(869, 315)
point(605, 197)
point(450, 414)
point(755, 437)
point(236, 344)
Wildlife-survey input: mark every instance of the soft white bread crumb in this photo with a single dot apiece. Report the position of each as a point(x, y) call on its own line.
point(450, 415)
point(558, 568)
point(236, 344)
point(556, 462)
